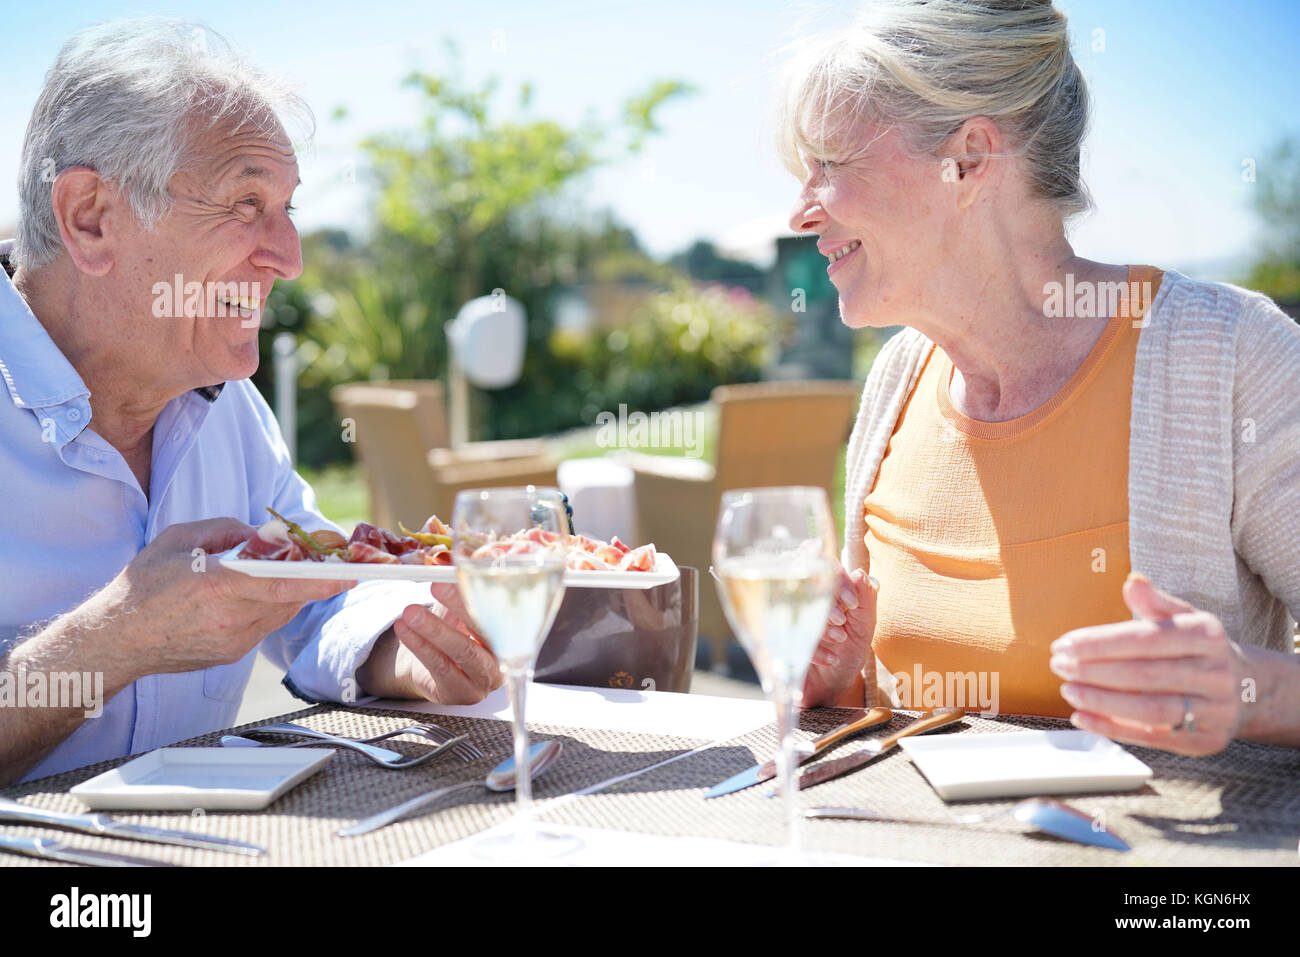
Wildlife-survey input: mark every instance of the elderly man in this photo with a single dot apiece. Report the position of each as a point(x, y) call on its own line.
point(133, 446)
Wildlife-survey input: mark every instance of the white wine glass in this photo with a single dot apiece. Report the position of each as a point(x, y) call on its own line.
point(777, 561)
point(509, 546)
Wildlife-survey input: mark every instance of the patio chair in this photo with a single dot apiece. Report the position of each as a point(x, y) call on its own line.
point(431, 402)
point(409, 479)
point(769, 433)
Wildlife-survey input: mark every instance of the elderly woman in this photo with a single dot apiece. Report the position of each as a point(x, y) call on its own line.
point(1077, 484)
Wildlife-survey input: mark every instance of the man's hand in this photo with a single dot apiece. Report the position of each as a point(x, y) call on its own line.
point(1135, 681)
point(171, 609)
point(835, 677)
point(183, 611)
point(432, 653)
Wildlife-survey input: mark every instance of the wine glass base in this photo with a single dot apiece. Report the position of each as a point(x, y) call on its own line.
point(532, 847)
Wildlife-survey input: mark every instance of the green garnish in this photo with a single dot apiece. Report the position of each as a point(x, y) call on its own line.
point(304, 537)
point(425, 538)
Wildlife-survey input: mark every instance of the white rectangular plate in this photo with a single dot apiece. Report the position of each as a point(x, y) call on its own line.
point(1019, 763)
point(171, 779)
point(665, 571)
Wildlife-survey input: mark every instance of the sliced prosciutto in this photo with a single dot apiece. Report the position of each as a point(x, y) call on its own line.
point(284, 541)
point(639, 560)
point(272, 543)
point(367, 554)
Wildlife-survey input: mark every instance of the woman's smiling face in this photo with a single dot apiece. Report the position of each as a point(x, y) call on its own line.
point(880, 213)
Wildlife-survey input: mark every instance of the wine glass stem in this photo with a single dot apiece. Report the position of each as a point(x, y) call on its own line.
point(516, 684)
point(787, 766)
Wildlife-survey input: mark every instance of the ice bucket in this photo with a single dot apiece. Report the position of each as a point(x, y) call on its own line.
point(639, 638)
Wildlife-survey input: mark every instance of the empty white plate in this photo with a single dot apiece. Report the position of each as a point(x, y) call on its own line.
point(244, 779)
point(1019, 763)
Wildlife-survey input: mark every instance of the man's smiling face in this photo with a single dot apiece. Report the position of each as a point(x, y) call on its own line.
point(229, 224)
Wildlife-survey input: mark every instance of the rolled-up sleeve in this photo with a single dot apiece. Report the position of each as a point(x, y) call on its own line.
point(329, 640)
point(322, 647)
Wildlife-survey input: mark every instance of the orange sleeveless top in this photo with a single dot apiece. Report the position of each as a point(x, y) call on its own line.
point(992, 539)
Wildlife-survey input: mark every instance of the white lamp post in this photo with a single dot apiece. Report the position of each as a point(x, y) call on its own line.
point(486, 341)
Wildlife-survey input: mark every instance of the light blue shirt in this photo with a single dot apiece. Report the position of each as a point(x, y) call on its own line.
point(74, 516)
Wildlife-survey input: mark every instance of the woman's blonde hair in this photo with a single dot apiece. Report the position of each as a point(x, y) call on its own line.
point(924, 67)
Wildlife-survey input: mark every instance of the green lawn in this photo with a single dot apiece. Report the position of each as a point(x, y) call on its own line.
point(341, 493)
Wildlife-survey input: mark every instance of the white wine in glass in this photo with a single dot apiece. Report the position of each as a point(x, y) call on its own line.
point(509, 546)
point(776, 557)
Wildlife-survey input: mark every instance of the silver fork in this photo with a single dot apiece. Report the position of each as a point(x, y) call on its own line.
point(381, 756)
point(465, 750)
point(429, 731)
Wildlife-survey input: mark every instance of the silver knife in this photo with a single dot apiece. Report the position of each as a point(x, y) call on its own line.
point(105, 826)
point(765, 772)
point(938, 718)
point(53, 850)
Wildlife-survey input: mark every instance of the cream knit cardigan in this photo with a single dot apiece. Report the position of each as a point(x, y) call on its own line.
point(1214, 454)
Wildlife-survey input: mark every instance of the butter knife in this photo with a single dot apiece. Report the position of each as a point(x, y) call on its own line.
point(765, 772)
point(105, 826)
point(876, 747)
point(53, 850)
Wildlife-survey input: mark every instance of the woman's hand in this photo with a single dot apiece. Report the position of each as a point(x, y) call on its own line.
point(1137, 681)
point(835, 675)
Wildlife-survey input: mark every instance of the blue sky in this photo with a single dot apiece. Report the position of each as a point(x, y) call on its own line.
point(1184, 91)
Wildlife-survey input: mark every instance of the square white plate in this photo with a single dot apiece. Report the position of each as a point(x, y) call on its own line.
point(1021, 763)
point(665, 571)
point(171, 779)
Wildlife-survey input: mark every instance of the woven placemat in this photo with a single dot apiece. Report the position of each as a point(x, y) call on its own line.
point(298, 829)
point(1240, 807)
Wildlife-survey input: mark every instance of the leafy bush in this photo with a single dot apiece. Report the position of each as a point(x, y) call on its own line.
point(671, 351)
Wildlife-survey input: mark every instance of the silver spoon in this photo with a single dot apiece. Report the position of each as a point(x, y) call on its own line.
point(1045, 814)
point(501, 778)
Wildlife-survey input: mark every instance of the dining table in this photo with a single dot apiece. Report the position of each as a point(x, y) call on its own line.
point(633, 772)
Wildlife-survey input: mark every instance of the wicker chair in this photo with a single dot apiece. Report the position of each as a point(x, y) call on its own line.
point(430, 403)
point(769, 433)
point(401, 434)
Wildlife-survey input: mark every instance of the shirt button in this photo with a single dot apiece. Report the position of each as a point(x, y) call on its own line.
point(74, 415)
point(176, 437)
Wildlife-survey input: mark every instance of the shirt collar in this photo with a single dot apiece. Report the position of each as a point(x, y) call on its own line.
point(37, 373)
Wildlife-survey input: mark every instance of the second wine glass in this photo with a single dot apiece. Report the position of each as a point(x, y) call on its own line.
point(510, 547)
point(776, 557)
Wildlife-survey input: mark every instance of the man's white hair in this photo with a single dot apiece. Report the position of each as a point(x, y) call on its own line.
point(127, 98)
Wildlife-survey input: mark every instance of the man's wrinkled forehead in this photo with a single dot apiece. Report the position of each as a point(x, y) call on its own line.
point(224, 152)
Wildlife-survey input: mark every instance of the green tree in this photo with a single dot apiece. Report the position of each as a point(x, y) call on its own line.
point(703, 262)
point(468, 202)
point(1277, 201)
